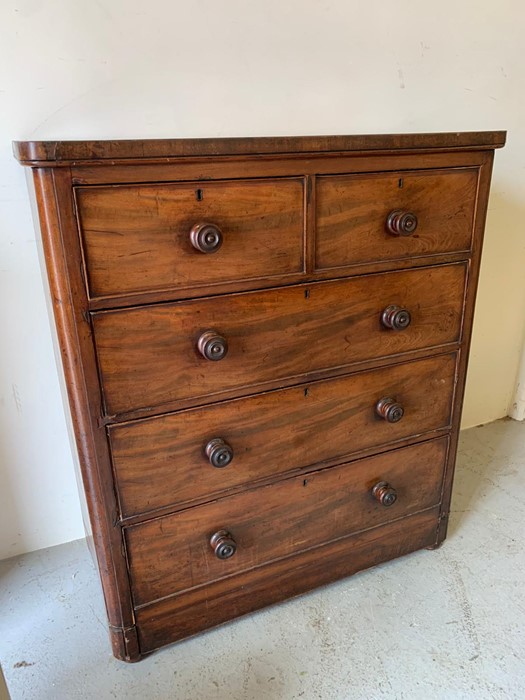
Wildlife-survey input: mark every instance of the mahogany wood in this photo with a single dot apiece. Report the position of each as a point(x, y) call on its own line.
point(177, 617)
point(269, 166)
point(31, 152)
point(400, 222)
point(223, 545)
point(205, 237)
point(149, 356)
point(162, 461)
point(212, 346)
point(172, 554)
point(52, 190)
point(139, 299)
point(218, 452)
point(138, 238)
point(384, 493)
point(470, 298)
point(353, 213)
point(391, 410)
point(312, 241)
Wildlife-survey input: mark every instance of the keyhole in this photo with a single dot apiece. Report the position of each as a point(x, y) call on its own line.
point(400, 183)
point(199, 195)
point(306, 293)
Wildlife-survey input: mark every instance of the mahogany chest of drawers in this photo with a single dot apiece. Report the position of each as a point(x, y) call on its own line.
point(264, 344)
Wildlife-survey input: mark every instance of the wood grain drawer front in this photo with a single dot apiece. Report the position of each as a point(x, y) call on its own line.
point(171, 554)
point(179, 616)
point(353, 225)
point(138, 238)
point(163, 461)
point(149, 356)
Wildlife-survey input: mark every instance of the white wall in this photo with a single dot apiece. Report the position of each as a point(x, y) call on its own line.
point(124, 69)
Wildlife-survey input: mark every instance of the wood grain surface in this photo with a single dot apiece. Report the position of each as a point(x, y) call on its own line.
point(49, 152)
point(297, 292)
point(148, 356)
point(352, 211)
point(137, 238)
point(171, 554)
point(161, 461)
point(180, 616)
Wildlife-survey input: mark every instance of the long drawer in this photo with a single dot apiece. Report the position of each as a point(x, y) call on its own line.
point(182, 551)
point(153, 356)
point(391, 216)
point(205, 451)
point(179, 616)
point(140, 238)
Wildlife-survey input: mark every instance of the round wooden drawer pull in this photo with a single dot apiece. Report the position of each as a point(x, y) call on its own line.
point(385, 494)
point(223, 544)
point(401, 223)
point(390, 410)
point(396, 318)
point(219, 453)
point(206, 238)
point(212, 346)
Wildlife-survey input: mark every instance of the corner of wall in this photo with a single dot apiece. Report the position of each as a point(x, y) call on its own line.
point(517, 406)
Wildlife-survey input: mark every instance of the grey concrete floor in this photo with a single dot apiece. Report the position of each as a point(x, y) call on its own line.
point(444, 625)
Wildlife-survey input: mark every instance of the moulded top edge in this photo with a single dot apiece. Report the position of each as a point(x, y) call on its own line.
point(49, 152)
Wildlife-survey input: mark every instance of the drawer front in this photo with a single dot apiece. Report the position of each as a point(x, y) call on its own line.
point(180, 616)
point(354, 225)
point(139, 238)
point(175, 458)
point(174, 553)
point(150, 356)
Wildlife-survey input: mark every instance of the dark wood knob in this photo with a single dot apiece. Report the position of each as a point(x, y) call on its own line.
point(212, 345)
point(223, 544)
point(401, 223)
point(396, 318)
point(390, 410)
point(207, 238)
point(384, 493)
point(219, 453)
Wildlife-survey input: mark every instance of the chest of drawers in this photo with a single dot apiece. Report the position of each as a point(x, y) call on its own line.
point(264, 345)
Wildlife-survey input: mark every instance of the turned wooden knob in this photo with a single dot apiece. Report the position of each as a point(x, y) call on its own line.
point(219, 453)
point(223, 544)
point(212, 345)
point(401, 223)
point(390, 410)
point(396, 318)
point(207, 238)
point(384, 493)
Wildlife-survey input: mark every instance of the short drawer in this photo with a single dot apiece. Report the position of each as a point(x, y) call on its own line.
point(152, 357)
point(203, 452)
point(182, 551)
point(391, 216)
point(141, 238)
